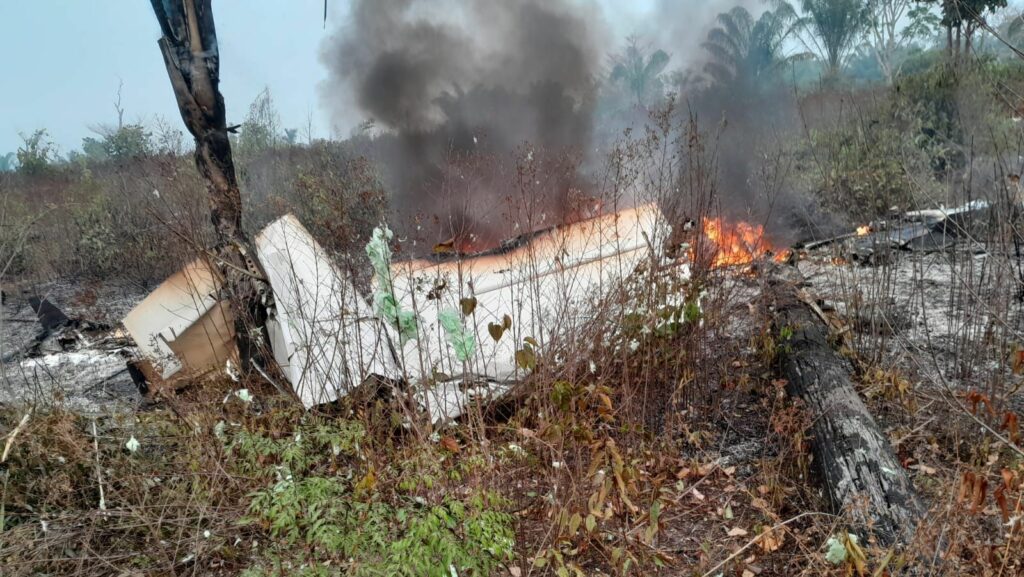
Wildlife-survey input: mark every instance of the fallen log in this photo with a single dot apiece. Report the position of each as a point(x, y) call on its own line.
point(858, 468)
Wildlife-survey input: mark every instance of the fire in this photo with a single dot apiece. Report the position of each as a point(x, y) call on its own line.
point(737, 243)
point(864, 230)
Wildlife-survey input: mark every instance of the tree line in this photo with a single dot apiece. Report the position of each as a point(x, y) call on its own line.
point(810, 41)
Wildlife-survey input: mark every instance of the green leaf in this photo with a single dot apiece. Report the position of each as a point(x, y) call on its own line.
point(574, 523)
point(652, 528)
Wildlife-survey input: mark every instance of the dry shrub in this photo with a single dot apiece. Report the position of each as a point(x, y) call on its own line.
point(223, 483)
point(136, 220)
point(139, 219)
point(620, 411)
point(334, 192)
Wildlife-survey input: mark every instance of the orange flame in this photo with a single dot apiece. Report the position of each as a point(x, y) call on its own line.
point(737, 243)
point(863, 230)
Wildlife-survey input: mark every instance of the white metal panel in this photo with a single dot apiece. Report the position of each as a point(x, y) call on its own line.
point(549, 286)
point(169, 311)
point(323, 333)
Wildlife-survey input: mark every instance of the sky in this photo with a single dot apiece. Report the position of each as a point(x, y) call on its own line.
point(64, 61)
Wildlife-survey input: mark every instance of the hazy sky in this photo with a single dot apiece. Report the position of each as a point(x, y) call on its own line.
point(64, 59)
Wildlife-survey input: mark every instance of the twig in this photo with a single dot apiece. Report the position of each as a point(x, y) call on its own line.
point(12, 436)
point(758, 538)
point(104, 380)
point(99, 471)
point(805, 297)
point(288, 393)
point(950, 397)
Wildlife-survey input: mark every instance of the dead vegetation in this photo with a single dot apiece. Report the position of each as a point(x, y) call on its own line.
point(656, 438)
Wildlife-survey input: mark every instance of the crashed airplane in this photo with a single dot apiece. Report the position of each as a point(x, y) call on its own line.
point(460, 329)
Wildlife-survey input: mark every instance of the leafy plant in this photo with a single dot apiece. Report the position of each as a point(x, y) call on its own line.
point(261, 129)
point(638, 70)
point(830, 28)
point(119, 143)
point(744, 52)
point(97, 246)
point(37, 153)
point(324, 524)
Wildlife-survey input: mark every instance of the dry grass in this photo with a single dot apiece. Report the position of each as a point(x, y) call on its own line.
point(654, 439)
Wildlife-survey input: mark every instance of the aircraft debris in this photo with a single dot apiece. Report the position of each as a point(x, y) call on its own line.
point(431, 319)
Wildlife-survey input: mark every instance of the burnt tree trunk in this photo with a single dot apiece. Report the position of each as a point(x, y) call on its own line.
point(190, 51)
point(858, 468)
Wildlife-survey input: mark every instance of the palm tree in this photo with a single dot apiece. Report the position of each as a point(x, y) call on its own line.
point(832, 28)
point(639, 71)
point(745, 51)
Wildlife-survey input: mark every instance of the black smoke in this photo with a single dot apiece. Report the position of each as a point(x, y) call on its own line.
point(458, 90)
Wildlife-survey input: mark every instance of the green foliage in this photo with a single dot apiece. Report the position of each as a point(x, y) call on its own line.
point(261, 129)
point(832, 28)
point(864, 171)
point(639, 71)
point(863, 66)
point(470, 537)
point(97, 249)
point(315, 520)
point(893, 26)
point(37, 153)
point(932, 98)
point(897, 149)
point(744, 53)
point(314, 446)
point(956, 13)
point(921, 23)
point(946, 109)
point(333, 524)
point(127, 142)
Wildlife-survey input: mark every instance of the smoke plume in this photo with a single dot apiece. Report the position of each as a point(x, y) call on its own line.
point(459, 87)
point(458, 90)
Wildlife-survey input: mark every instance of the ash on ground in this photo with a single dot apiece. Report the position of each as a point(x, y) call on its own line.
point(951, 319)
point(76, 367)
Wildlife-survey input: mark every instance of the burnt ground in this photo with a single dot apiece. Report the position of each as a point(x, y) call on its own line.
point(85, 379)
point(935, 338)
point(951, 320)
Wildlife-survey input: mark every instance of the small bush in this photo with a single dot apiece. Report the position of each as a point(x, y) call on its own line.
point(37, 153)
point(324, 523)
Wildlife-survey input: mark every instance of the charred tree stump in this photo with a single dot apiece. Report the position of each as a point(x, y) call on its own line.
point(857, 465)
point(190, 51)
